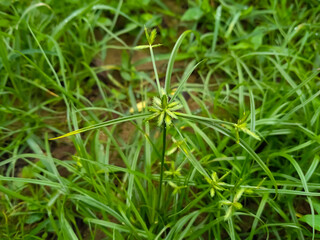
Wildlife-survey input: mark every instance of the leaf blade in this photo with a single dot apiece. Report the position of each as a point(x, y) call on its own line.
point(104, 124)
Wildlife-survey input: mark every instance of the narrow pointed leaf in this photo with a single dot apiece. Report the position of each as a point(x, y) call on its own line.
point(104, 124)
point(141, 47)
point(147, 34)
point(153, 36)
point(184, 80)
point(252, 134)
point(172, 59)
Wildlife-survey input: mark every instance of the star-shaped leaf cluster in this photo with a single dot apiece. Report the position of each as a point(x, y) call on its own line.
point(241, 125)
point(216, 183)
point(233, 205)
point(163, 110)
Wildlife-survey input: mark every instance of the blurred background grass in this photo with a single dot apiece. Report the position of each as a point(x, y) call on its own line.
point(71, 64)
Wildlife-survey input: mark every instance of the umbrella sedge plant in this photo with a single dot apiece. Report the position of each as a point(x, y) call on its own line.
point(165, 110)
point(231, 152)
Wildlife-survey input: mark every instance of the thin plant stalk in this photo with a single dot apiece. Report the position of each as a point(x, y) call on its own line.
point(155, 70)
point(164, 141)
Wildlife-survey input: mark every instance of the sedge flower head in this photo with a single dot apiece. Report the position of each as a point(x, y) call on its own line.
point(163, 110)
point(215, 183)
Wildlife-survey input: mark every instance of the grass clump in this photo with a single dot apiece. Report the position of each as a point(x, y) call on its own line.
point(207, 130)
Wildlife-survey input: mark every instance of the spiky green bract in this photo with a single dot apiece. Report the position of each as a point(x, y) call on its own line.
point(242, 126)
point(150, 37)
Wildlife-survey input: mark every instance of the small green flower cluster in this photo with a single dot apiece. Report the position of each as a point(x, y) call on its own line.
point(164, 110)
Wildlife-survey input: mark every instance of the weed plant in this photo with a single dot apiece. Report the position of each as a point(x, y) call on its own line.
point(99, 143)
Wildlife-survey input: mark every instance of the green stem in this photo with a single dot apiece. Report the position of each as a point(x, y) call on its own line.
point(155, 70)
point(162, 160)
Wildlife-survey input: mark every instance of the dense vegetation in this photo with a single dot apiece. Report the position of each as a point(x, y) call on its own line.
point(208, 129)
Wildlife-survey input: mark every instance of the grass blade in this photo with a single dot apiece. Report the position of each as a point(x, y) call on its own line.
point(104, 124)
point(183, 81)
point(171, 61)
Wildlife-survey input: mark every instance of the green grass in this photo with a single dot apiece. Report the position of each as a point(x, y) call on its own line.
point(240, 161)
